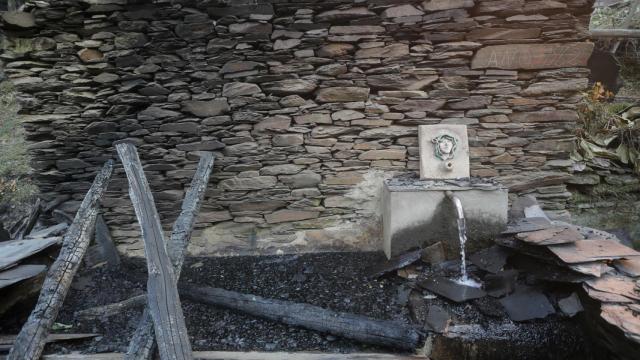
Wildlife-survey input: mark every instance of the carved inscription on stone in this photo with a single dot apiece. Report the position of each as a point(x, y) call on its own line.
point(533, 56)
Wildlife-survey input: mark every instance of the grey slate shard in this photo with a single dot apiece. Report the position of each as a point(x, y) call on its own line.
point(570, 305)
point(527, 304)
point(491, 259)
point(395, 263)
point(437, 319)
point(500, 284)
point(19, 273)
point(451, 290)
point(528, 224)
point(11, 252)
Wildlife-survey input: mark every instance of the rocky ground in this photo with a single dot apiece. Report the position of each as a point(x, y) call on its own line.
point(339, 281)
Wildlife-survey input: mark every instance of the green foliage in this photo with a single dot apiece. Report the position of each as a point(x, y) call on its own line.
point(15, 185)
point(609, 132)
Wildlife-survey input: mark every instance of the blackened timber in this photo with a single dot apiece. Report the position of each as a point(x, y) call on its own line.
point(142, 344)
point(350, 326)
point(163, 300)
point(108, 248)
point(32, 337)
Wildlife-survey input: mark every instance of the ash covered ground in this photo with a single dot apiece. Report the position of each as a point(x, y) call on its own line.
point(337, 281)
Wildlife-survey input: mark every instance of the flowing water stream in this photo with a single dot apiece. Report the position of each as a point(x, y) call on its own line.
point(462, 236)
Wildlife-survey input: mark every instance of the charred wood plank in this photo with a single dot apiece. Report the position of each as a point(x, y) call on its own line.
point(350, 326)
point(142, 345)
point(108, 248)
point(108, 310)
point(163, 300)
point(32, 337)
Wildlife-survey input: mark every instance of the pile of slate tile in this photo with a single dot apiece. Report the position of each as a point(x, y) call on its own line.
point(608, 271)
point(536, 269)
point(23, 263)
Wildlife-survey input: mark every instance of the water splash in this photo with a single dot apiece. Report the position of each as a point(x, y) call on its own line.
point(464, 278)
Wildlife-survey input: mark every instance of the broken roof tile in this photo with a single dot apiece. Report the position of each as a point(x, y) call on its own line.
point(623, 318)
point(570, 305)
point(528, 224)
point(451, 290)
point(615, 284)
point(395, 263)
point(605, 297)
point(591, 250)
point(19, 273)
point(527, 304)
point(630, 267)
point(11, 252)
point(551, 236)
point(491, 259)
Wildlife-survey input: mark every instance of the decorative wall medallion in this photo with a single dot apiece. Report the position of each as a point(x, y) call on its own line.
point(444, 151)
point(444, 146)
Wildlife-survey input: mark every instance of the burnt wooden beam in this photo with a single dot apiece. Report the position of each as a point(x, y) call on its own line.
point(105, 311)
point(163, 300)
point(32, 337)
point(350, 326)
point(142, 345)
point(108, 248)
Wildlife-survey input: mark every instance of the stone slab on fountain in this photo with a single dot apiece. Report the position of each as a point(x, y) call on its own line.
point(417, 213)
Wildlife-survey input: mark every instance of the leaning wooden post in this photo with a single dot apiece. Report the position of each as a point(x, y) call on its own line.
point(31, 339)
point(163, 300)
point(142, 344)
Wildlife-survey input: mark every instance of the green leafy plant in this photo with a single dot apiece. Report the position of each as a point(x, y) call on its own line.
point(15, 184)
point(608, 131)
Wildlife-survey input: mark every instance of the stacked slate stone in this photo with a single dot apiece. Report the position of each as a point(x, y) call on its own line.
point(307, 104)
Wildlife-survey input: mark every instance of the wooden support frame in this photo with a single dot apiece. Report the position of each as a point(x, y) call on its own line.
point(31, 340)
point(163, 299)
point(142, 345)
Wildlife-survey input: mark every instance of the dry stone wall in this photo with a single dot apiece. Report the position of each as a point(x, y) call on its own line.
point(307, 104)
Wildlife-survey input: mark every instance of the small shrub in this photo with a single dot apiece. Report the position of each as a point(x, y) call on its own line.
point(15, 182)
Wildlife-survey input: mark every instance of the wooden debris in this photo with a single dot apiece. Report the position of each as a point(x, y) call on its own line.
point(630, 267)
point(21, 292)
point(451, 290)
point(103, 238)
point(12, 252)
point(6, 341)
point(25, 226)
point(163, 299)
point(19, 273)
point(350, 326)
point(253, 355)
point(551, 236)
point(100, 312)
point(31, 339)
point(591, 250)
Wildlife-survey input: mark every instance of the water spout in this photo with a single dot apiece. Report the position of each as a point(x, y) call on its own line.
point(462, 235)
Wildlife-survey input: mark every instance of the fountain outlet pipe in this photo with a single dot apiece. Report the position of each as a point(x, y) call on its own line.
point(448, 166)
point(462, 236)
